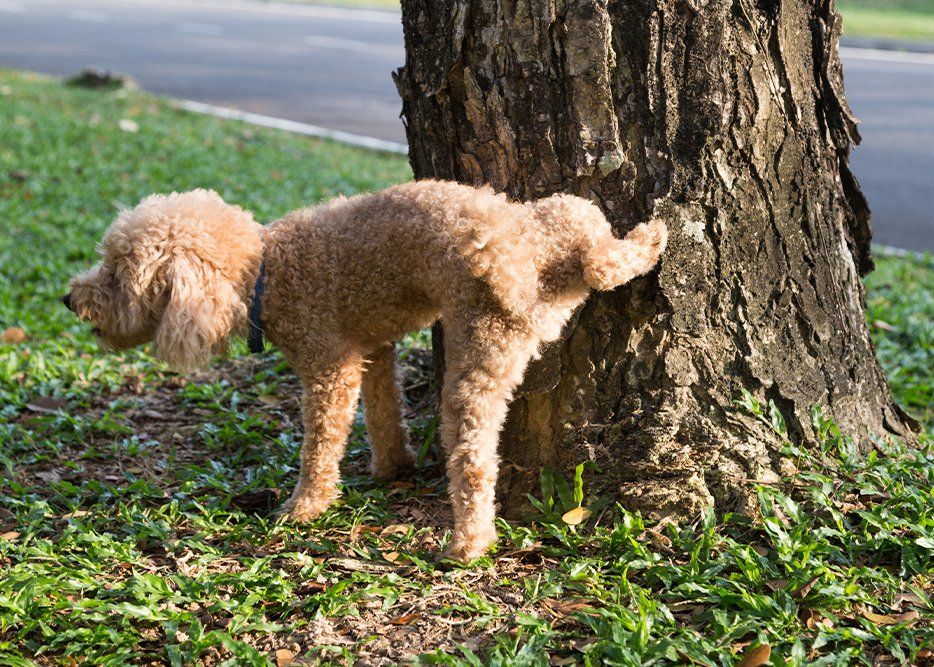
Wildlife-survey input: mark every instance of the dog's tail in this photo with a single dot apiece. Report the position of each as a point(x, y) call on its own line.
point(611, 262)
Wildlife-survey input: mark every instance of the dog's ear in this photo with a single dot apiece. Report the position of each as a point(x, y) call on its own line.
point(199, 315)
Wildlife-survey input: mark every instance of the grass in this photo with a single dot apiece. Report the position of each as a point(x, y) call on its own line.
point(908, 20)
point(134, 504)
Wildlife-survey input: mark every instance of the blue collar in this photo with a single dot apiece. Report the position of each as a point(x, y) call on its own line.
point(255, 336)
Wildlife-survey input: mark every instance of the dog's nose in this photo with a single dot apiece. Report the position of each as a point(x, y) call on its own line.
point(67, 301)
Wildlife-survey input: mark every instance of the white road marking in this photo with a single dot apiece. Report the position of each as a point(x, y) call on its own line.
point(319, 11)
point(191, 28)
point(293, 126)
point(88, 16)
point(319, 42)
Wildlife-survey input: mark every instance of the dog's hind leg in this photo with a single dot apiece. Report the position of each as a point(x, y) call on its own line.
point(329, 403)
point(611, 262)
point(382, 409)
point(482, 372)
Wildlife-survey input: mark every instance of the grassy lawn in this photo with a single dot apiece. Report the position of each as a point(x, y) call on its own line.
point(911, 20)
point(134, 503)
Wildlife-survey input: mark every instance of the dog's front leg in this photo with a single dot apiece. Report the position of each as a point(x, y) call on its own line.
point(329, 403)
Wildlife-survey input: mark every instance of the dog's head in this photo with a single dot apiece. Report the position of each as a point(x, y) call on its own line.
point(176, 270)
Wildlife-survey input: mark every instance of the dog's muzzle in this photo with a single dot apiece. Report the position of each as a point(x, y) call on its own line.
point(67, 301)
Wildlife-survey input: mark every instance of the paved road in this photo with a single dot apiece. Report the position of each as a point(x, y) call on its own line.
point(325, 66)
point(332, 68)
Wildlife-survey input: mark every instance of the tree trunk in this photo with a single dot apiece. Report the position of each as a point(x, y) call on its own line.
point(725, 118)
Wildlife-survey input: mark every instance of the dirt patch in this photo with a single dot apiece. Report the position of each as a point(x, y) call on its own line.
point(156, 423)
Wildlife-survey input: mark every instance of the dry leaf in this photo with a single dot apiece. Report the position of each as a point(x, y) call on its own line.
point(408, 619)
point(802, 592)
point(283, 657)
point(777, 584)
point(396, 558)
point(900, 599)
point(756, 657)
point(46, 404)
point(576, 516)
point(687, 658)
point(9, 535)
point(268, 399)
point(128, 125)
point(395, 529)
point(878, 619)
point(12, 336)
point(566, 608)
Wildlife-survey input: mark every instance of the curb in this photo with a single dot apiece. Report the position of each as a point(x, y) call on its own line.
point(883, 44)
point(294, 126)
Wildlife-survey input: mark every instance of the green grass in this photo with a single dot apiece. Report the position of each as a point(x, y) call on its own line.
point(134, 524)
point(910, 20)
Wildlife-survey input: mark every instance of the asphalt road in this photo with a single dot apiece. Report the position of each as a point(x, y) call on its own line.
point(331, 68)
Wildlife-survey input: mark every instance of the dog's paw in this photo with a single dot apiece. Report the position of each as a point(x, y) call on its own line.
point(464, 553)
point(652, 235)
point(301, 510)
point(465, 548)
point(393, 469)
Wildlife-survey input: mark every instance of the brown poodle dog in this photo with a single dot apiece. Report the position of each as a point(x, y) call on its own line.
point(335, 285)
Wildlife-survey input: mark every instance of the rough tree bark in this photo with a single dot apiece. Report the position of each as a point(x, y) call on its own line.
point(727, 119)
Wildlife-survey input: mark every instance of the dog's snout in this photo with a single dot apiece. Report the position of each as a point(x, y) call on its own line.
point(67, 301)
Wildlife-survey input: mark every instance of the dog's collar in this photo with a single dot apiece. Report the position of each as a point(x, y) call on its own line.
point(255, 337)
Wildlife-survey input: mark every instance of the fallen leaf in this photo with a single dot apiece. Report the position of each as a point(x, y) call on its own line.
point(395, 557)
point(879, 619)
point(900, 599)
point(46, 404)
point(777, 584)
point(693, 661)
point(395, 529)
point(408, 619)
point(756, 657)
point(576, 516)
point(283, 657)
point(807, 618)
point(128, 125)
point(9, 535)
point(907, 617)
point(802, 592)
point(268, 399)
point(311, 588)
point(12, 336)
point(566, 608)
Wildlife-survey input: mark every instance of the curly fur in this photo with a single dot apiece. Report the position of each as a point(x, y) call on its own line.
point(346, 279)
